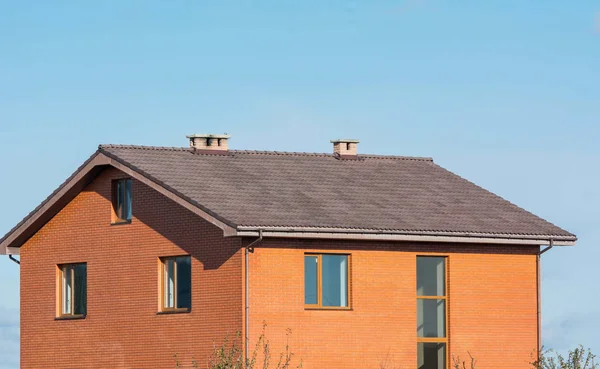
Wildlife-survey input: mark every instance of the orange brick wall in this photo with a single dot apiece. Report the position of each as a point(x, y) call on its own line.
point(491, 290)
point(492, 294)
point(122, 328)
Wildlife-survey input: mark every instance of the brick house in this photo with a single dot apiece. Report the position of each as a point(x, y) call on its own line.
point(147, 252)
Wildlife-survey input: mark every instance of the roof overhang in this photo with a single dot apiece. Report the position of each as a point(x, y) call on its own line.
point(16, 237)
point(388, 235)
point(11, 242)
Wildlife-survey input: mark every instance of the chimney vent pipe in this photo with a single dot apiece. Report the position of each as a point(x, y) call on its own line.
point(206, 142)
point(345, 148)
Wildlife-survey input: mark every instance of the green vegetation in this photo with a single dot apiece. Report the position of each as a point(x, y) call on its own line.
point(578, 358)
point(230, 355)
point(458, 364)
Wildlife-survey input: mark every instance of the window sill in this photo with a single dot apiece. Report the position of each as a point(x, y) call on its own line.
point(174, 311)
point(120, 222)
point(70, 317)
point(328, 308)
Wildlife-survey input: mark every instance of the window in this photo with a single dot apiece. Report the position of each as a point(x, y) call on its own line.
point(431, 312)
point(176, 284)
point(121, 199)
point(72, 290)
point(326, 281)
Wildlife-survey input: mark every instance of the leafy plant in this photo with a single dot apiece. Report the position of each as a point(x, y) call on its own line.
point(578, 358)
point(386, 363)
point(458, 364)
point(230, 355)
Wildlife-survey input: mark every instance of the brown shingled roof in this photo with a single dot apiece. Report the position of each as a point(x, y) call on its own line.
point(310, 190)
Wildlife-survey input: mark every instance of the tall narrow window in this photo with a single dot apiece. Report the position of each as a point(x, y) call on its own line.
point(73, 290)
point(121, 199)
point(431, 312)
point(176, 284)
point(326, 281)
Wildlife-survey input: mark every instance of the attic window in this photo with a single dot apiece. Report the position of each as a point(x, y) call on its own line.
point(121, 201)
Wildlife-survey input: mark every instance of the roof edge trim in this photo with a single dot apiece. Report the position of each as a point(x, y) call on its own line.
point(10, 251)
point(27, 227)
point(104, 147)
point(423, 237)
point(30, 220)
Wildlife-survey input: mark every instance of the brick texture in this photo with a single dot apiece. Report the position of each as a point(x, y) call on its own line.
point(492, 299)
point(492, 294)
point(122, 328)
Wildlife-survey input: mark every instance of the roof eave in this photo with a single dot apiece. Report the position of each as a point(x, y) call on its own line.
point(388, 235)
point(10, 251)
point(58, 199)
point(25, 229)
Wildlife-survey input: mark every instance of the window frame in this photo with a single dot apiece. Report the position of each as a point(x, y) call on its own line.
point(162, 290)
point(116, 217)
point(445, 340)
point(60, 314)
point(319, 304)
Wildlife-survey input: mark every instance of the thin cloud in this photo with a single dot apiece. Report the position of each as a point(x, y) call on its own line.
point(597, 22)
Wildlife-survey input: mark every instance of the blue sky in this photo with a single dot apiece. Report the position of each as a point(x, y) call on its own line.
point(504, 92)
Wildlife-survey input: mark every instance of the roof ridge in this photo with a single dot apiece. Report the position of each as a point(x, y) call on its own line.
point(296, 153)
point(142, 147)
point(281, 153)
point(396, 157)
point(264, 152)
